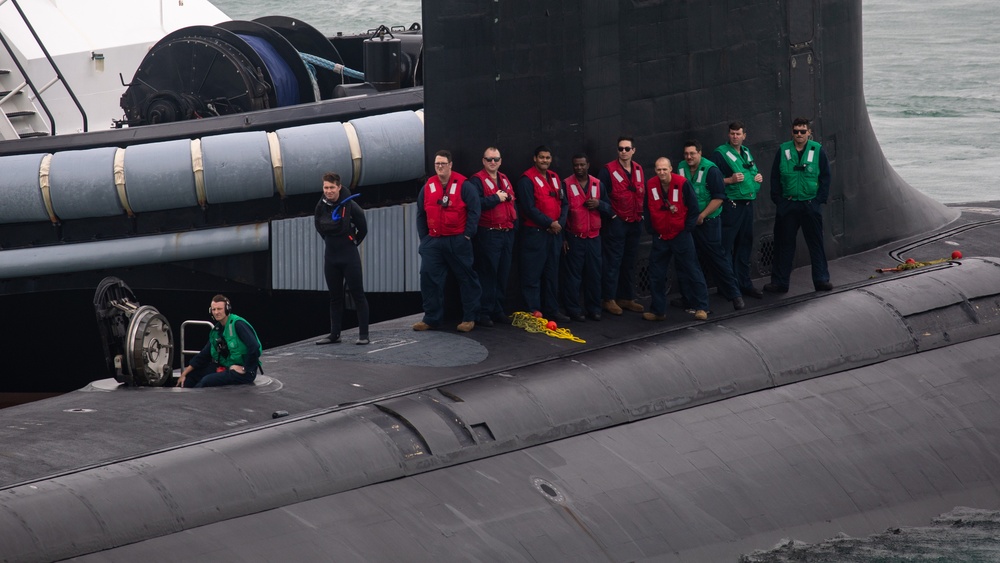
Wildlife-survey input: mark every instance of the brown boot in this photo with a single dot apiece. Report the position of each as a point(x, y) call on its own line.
point(611, 307)
point(701, 315)
point(630, 305)
point(653, 317)
point(466, 326)
point(421, 325)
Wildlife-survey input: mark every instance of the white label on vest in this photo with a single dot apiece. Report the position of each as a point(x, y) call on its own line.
point(506, 184)
point(489, 184)
point(655, 193)
point(539, 181)
point(683, 172)
point(701, 173)
point(618, 177)
point(810, 157)
point(676, 195)
point(454, 187)
point(555, 184)
point(593, 190)
point(732, 157)
point(433, 188)
point(638, 177)
point(788, 154)
point(575, 191)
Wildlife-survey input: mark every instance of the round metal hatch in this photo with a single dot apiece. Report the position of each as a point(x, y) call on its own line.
point(149, 346)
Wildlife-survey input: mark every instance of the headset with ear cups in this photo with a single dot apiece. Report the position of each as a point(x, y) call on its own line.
point(229, 306)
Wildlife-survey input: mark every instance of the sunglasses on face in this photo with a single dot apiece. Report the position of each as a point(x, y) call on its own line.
point(800, 131)
point(624, 149)
point(491, 158)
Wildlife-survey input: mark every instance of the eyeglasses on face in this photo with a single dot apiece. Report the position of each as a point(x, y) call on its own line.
point(800, 131)
point(491, 158)
point(441, 164)
point(624, 149)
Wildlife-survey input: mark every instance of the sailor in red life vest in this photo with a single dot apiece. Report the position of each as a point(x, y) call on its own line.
point(447, 215)
point(582, 244)
point(543, 210)
point(624, 186)
point(494, 242)
point(671, 215)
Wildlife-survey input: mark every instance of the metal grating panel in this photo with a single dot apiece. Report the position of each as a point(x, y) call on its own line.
point(389, 256)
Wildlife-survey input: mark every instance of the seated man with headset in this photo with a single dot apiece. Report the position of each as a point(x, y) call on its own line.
point(231, 355)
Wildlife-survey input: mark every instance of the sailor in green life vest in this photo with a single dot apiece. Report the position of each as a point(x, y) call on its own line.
point(800, 185)
point(742, 179)
point(706, 178)
point(231, 355)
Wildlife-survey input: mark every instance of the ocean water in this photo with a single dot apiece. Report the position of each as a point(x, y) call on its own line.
point(932, 81)
point(932, 84)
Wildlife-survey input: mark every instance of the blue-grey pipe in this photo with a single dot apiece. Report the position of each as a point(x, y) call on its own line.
point(134, 251)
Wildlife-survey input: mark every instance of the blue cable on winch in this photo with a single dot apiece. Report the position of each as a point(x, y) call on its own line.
point(330, 65)
point(286, 86)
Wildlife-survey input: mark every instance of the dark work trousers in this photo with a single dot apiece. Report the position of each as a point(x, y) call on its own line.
point(737, 238)
point(581, 267)
point(708, 242)
point(341, 261)
point(689, 275)
point(540, 269)
point(789, 218)
point(620, 247)
point(494, 249)
point(208, 376)
point(437, 256)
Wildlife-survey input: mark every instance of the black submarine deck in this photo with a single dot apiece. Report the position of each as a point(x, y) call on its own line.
point(104, 422)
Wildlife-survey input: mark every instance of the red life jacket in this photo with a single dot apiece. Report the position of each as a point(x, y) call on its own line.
point(445, 219)
point(666, 224)
point(504, 214)
point(626, 203)
point(583, 222)
point(547, 203)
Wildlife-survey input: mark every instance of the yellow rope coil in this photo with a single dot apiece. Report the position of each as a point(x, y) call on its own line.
point(531, 323)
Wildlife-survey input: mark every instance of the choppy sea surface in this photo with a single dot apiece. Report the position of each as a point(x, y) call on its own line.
point(932, 80)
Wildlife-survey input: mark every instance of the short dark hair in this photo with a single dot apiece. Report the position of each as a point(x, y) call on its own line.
point(444, 153)
point(693, 143)
point(331, 177)
point(582, 155)
point(220, 298)
point(542, 148)
point(736, 126)
point(800, 121)
point(626, 138)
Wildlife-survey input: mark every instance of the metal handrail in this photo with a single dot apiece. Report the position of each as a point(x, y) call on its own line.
point(184, 351)
point(52, 63)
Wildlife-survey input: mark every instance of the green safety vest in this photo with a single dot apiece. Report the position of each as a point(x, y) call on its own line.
point(748, 188)
point(802, 184)
point(698, 181)
point(237, 349)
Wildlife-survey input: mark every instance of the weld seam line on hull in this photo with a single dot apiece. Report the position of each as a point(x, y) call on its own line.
point(895, 254)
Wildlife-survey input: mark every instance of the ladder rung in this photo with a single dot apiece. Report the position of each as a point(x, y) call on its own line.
point(20, 113)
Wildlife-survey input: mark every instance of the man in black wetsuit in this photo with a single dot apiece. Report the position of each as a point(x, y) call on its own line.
point(341, 223)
